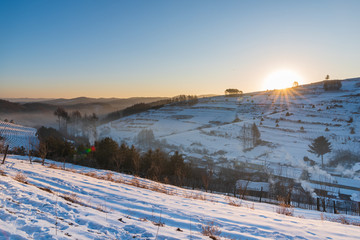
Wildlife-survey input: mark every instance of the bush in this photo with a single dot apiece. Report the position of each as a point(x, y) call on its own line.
point(352, 130)
point(345, 158)
point(210, 230)
point(20, 178)
point(331, 85)
point(285, 209)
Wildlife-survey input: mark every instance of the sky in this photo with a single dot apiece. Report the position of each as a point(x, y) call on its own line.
point(158, 48)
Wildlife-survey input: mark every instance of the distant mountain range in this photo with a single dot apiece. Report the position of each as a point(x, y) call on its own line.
point(97, 105)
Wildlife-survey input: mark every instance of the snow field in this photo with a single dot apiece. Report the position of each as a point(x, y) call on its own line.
point(118, 209)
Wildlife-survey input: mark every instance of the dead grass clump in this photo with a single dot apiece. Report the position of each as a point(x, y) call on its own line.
point(2, 172)
point(119, 180)
point(158, 188)
point(252, 207)
point(285, 209)
point(108, 177)
point(91, 174)
point(343, 220)
point(101, 208)
point(356, 224)
point(71, 197)
point(135, 182)
point(20, 178)
point(71, 170)
point(195, 196)
point(54, 166)
point(211, 230)
point(46, 189)
point(233, 202)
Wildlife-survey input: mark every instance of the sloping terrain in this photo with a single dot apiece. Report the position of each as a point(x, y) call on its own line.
point(288, 121)
point(17, 135)
point(46, 202)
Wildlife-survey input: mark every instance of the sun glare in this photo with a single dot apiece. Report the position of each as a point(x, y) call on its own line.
point(281, 79)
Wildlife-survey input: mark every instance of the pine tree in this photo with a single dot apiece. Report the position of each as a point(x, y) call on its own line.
point(320, 146)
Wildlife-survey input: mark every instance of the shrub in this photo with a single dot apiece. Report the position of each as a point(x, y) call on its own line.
point(345, 158)
point(71, 197)
point(210, 230)
point(327, 130)
point(233, 202)
point(91, 174)
point(352, 130)
point(285, 209)
point(302, 129)
point(20, 178)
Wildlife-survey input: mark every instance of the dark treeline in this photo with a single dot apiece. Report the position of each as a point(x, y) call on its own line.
point(107, 154)
point(142, 107)
point(152, 164)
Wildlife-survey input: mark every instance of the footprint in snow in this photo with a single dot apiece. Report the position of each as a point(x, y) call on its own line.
point(93, 225)
point(134, 229)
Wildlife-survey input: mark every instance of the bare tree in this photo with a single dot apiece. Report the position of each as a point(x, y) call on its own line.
point(43, 150)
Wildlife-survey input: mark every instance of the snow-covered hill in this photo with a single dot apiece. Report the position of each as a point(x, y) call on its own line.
point(17, 135)
point(45, 202)
point(288, 121)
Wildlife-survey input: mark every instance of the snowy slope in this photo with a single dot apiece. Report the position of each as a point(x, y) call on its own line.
point(17, 135)
point(207, 130)
point(103, 209)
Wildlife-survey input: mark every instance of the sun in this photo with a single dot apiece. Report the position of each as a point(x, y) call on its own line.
point(281, 79)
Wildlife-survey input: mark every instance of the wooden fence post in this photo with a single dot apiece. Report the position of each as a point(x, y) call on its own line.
point(6, 150)
point(261, 193)
point(323, 204)
point(318, 204)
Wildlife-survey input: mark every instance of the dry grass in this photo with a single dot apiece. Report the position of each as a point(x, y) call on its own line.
point(158, 188)
point(71, 197)
point(285, 209)
point(101, 208)
point(2, 172)
point(71, 170)
point(340, 219)
point(108, 177)
point(91, 174)
point(20, 178)
point(233, 202)
point(135, 182)
point(54, 166)
point(46, 189)
point(195, 196)
point(210, 230)
point(119, 180)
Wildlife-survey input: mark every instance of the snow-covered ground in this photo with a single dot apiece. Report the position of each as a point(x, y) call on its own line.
point(58, 204)
point(207, 130)
point(17, 135)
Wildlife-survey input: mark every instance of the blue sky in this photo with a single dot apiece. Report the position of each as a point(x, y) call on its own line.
point(165, 48)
